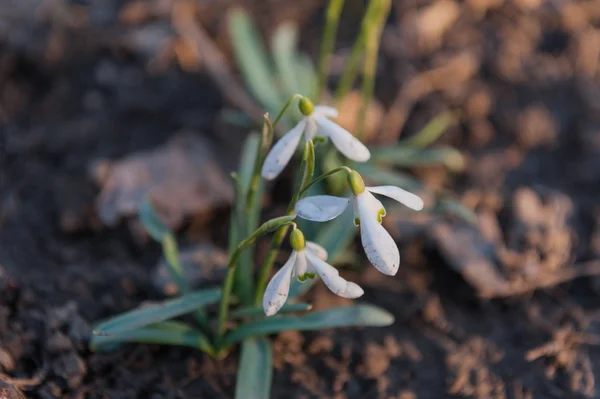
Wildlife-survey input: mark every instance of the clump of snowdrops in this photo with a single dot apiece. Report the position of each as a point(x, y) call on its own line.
point(255, 300)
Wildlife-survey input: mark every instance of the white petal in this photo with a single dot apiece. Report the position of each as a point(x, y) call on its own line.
point(317, 250)
point(344, 141)
point(300, 267)
point(407, 198)
point(324, 110)
point(333, 281)
point(321, 208)
point(375, 206)
point(311, 129)
point(379, 246)
point(278, 289)
point(282, 152)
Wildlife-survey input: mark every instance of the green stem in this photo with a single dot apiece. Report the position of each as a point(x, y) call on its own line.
point(323, 176)
point(350, 73)
point(375, 28)
point(332, 19)
point(285, 107)
point(267, 265)
point(265, 228)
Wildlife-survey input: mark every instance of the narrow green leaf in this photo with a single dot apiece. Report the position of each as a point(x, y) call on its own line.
point(246, 213)
point(151, 222)
point(167, 333)
point(252, 59)
point(255, 371)
point(307, 75)
point(457, 209)
point(252, 311)
point(431, 132)
point(283, 48)
point(248, 160)
point(351, 316)
point(166, 310)
point(408, 157)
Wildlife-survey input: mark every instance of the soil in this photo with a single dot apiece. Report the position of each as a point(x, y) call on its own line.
point(510, 310)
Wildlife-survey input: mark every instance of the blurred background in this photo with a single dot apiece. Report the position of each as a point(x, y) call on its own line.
point(101, 100)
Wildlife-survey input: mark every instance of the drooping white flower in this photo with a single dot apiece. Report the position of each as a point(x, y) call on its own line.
point(379, 245)
point(314, 124)
point(307, 260)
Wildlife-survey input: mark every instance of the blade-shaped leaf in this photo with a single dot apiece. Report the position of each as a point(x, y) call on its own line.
point(457, 209)
point(259, 311)
point(243, 224)
point(248, 160)
point(431, 132)
point(351, 316)
point(151, 222)
point(165, 333)
point(156, 313)
point(307, 75)
point(255, 370)
point(283, 48)
point(252, 59)
point(408, 157)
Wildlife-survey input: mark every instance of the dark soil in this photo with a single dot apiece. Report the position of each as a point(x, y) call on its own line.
point(81, 82)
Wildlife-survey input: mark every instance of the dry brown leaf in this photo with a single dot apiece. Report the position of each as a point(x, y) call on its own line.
point(182, 178)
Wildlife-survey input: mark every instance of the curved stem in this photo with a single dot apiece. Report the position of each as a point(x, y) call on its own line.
point(266, 227)
point(285, 107)
point(324, 176)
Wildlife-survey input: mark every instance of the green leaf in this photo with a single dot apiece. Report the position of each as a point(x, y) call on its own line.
point(141, 317)
point(252, 311)
point(431, 132)
point(248, 160)
point(165, 333)
point(408, 157)
point(283, 48)
point(246, 214)
point(307, 75)
point(255, 370)
point(381, 175)
point(151, 222)
point(252, 59)
point(335, 236)
point(351, 316)
point(457, 209)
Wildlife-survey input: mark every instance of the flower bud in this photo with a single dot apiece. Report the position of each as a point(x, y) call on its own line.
point(355, 180)
point(297, 240)
point(306, 106)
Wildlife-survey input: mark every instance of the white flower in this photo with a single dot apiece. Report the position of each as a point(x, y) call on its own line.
point(306, 260)
point(379, 245)
point(314, 124)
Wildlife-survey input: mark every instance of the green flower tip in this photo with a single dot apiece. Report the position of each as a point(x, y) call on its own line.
point(356, 182)
point(380, 215)
point(306, 106)
point(297, 240)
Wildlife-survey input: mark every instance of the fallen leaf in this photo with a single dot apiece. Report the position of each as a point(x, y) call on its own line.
point(182, 178)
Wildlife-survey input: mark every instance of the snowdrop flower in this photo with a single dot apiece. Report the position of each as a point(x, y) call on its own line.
point(314, 124)
point(379, 246)
point(307, 260)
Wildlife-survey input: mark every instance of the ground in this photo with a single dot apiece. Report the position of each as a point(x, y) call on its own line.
point(85, 86)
